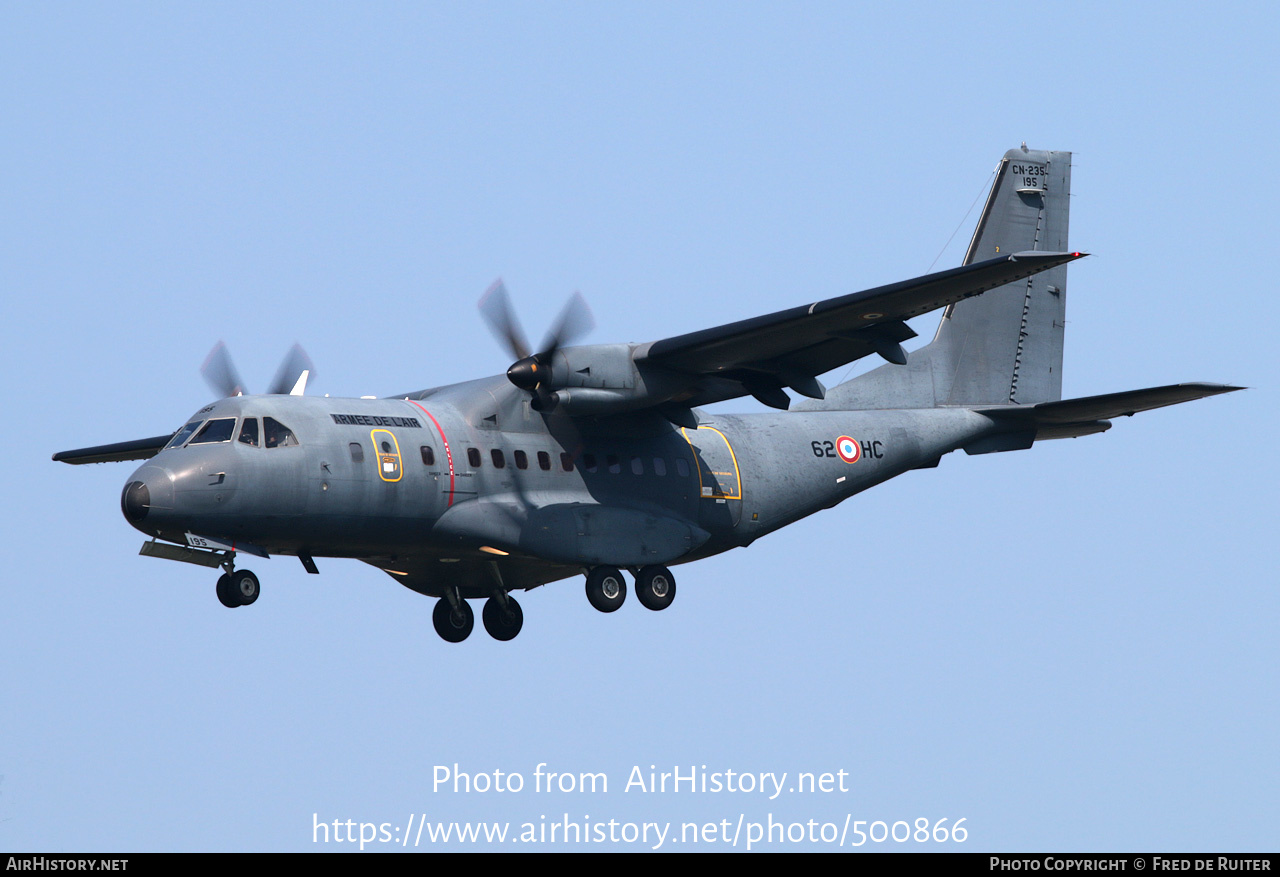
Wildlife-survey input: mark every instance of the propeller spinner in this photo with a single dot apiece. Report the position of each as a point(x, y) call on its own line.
point(531, 371)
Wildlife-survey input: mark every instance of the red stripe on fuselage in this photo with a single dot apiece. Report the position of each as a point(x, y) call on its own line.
point(448, 454)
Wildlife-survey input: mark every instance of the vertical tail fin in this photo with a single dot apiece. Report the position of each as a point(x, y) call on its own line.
point(1004, 346)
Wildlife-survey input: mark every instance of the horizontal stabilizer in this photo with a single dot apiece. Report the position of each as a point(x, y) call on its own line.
point(1074, 417)
point(1111, 405)
point(139, 449)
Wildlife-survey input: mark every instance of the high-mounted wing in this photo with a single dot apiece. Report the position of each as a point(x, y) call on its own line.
point(139, 449)
point(791, 348)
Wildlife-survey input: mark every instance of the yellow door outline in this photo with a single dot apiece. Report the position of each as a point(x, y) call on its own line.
point(737, 474)
point(388, 464)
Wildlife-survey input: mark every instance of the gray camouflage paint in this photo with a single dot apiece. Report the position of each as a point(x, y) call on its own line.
point(988, 382)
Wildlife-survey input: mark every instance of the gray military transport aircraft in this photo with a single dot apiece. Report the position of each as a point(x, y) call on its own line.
point(597, 459)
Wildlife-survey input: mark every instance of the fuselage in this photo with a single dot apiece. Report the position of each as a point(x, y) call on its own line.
point(440, 477)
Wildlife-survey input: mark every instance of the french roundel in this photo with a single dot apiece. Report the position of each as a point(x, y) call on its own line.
point(849, 450)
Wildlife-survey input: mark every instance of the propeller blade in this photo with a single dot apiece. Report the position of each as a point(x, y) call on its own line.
point(495, 307)
point(295, 363)
point(220, 373)
point(575, 320)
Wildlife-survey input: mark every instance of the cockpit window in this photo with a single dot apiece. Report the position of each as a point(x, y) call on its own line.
point(249, 432)
point(180, 438)
point(219, 430)
point(277, 435)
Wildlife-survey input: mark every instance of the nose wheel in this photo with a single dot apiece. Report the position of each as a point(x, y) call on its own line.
point(239, 588)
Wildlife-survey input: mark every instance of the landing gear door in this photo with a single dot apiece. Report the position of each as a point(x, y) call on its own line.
point(719, 478)
point(386, 450)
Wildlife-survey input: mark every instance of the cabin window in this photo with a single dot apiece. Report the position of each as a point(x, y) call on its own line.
point(615, 465)
point(566, 461)
point(637, 466)
point(544, 461)
point(473, 457)
point(589, 462)
point(682, 468)
point(249, 432)
point(522, 459)
point(219, 430)
point(499, 461)
point(357, 452)
point(428, 455)
point(659, 466)
point(277, 434)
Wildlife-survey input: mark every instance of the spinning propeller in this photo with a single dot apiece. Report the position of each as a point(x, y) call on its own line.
point(291, 378)
point(531, 372)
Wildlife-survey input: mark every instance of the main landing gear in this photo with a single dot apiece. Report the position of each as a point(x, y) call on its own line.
point(238, 588)
point(453, 623)
point(606, 589)
point(655, 587)
point(453, 619)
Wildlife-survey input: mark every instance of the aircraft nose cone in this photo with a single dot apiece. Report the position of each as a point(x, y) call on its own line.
point(147, 498)
point(135, 502)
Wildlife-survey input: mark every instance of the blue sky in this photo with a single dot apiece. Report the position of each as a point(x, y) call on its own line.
point(1071, 648)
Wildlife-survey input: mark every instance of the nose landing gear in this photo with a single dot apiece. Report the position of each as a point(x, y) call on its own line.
point(239, 588)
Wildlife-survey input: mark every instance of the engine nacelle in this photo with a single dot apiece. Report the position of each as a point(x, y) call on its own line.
point(594, 381)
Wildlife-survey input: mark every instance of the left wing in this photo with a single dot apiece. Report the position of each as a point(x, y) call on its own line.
point(791, 348)
point(140, 449)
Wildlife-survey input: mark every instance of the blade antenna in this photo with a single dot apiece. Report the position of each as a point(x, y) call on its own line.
point(295, 363)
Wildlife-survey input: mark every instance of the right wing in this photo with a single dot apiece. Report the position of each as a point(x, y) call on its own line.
point(791, 348)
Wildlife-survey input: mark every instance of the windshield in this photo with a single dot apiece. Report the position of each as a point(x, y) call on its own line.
point(215, 431)
point(183, 434)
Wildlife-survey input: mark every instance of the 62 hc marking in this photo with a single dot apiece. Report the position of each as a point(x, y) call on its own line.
point(872, 449)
